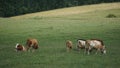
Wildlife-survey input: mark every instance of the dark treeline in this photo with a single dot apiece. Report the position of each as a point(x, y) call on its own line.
point(18, 7)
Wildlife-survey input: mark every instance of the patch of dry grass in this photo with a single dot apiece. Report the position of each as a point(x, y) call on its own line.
point(72, 10)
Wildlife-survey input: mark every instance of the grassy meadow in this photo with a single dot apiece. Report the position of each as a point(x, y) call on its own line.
point(52, 31)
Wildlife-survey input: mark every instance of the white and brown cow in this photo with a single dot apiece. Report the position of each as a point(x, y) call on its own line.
point(19, 47)
point(95, 44)
point(31, 44)
point(81, 43)
point(69, 45)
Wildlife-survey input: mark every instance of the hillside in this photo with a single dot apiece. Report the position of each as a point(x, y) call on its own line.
point(72, 10)
point(53, 28)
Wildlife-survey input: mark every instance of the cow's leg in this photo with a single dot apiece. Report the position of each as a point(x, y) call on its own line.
point(67, 49)
point(33, 49)
point(78, 48)
point(97, 50)
point(28, 48)
point(85, 51)
point(88, 51)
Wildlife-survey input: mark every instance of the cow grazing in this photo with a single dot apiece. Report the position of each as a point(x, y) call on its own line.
point(95, 44)
point(69, 45)
point(81, 44)
point(20, 47)
point(32, 44)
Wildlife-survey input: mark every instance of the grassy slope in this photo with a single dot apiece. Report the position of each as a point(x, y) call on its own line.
point(52, 32)
point(72, 10)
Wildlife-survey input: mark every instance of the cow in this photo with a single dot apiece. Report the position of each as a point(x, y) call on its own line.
point(19, 47)
point(69, 45)
point(81, 43)
point(95, 44)
point(31, 44)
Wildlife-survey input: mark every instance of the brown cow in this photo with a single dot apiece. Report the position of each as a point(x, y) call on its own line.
point(95, 44)
point(69, 45)
point(20, 47)
point(32, 44)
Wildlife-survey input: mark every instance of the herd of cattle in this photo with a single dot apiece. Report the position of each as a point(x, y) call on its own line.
point(87, 45)
point(30, 44)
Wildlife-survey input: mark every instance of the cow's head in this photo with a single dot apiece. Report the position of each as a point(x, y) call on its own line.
point(104, 50)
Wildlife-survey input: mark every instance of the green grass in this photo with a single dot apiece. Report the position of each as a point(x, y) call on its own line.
point(52, 32)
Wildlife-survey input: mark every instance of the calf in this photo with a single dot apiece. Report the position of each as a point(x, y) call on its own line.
point(20, 47)
point(69, 45)
point(95, 44)
point(81, 44)
point(32, 44)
